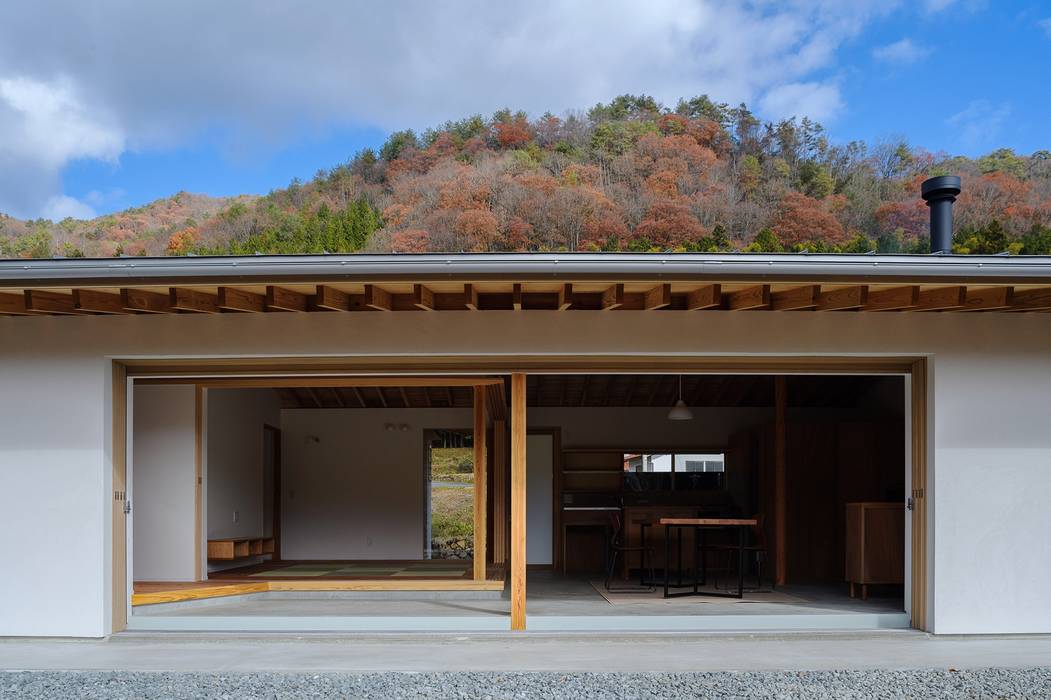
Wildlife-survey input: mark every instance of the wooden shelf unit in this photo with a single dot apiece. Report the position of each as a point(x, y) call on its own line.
point(231, 548)
point(589, 486)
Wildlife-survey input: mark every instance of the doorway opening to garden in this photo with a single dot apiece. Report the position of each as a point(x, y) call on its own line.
point(449, 494)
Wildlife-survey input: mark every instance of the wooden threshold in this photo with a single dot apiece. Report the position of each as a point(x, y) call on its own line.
point(175, 592)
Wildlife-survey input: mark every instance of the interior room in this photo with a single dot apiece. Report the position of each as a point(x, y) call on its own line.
point(345, 502)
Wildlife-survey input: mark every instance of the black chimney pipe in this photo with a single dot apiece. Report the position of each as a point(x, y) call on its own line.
point(940, 192)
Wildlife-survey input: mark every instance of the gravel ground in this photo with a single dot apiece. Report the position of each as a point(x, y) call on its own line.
point(987, 683)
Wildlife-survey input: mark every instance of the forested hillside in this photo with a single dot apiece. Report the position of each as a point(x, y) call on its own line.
point(629, 175)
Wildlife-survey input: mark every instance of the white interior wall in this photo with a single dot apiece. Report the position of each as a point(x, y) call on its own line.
point(163, 491)
point(990, 378)
point(539, 498)
point(234, 469)
point(350, 489)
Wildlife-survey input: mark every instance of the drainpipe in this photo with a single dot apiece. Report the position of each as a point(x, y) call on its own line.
point(940, 193)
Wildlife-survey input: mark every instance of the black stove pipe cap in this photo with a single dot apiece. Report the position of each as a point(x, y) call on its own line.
point(940, 192)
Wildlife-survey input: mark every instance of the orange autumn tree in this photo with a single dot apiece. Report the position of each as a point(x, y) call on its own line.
point(802, 219)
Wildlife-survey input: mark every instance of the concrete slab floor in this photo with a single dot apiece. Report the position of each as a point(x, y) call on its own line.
point(525, 652)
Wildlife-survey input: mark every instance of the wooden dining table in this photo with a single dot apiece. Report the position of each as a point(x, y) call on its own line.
point(700, 568)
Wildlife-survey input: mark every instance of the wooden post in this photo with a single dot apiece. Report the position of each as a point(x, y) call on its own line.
point(479, 483)
point(780, 507)
point(518, 501)
point(499, 491)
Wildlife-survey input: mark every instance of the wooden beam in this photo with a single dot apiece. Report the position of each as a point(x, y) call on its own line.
point(613, 297)
point(565, 296)
point(518, 501)
point(894, 299)
point(988, 299)
point(183, 299)
point(331, 299)
point(145, 302)
point(798, 298)
point(941, 299)
point(780, 479)
point(231, 299)
point(377, 298)
point(14, 304)
point(658, 297)
point(281, 299)
point(499, 491)
point(470, 297)
point(359, 397)
point(422, 297)
point(1031, 300)
point(480, 421)
point(94, 301)
point(843, 298)
point(757, 297)
point(41, 302)
point(516, 296)
point(709, 296)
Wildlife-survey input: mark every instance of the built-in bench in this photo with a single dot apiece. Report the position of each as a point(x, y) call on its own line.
point(231, 548)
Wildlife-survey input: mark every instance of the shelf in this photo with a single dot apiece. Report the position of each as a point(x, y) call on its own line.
point(232, 548)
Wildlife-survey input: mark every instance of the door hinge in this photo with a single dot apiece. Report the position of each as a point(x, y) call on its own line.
point(127, 507)
point(909, 503)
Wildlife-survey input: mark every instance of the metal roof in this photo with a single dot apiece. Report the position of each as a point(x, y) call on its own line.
point(725, 267)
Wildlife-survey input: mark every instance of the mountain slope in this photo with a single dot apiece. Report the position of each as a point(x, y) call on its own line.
point(628, 175)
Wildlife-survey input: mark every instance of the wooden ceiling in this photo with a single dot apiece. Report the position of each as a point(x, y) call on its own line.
point(609, 390)
point(504, 296)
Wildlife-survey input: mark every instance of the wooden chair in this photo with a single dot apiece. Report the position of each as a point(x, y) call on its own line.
point(617, 547)
point(757, 549)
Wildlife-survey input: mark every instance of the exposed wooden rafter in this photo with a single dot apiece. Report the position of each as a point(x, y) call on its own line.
point(529, 297)
point(231, 299)
point(757, 297)
point(843, 299)
point(281, 299)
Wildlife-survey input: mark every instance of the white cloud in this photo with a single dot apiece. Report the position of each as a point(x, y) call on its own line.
point(43, 126)
point(819, 101)
point(1045, 24)
point(902, 52)
point(61, 206)
point(113, 75)
point(979, 123)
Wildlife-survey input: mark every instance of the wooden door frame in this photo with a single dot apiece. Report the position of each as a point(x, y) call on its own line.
point(119, 522)
point(275, 526)
point(482, 367)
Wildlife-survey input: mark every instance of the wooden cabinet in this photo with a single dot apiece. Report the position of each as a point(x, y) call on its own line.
point(875, 544)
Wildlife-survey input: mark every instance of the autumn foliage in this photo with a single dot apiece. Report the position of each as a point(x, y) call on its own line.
point(629, 175)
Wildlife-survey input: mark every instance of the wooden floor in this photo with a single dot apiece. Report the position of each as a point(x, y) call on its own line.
point(241, 581)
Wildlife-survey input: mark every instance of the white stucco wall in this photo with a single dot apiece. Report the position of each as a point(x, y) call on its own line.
point(162, 489)
point(990, 446)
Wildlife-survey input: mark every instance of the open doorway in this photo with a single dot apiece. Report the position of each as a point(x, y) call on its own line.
point(812, 469)
point(296, 490)
point(449, 490)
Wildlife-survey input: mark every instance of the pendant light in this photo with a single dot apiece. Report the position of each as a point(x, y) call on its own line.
point(680, 411)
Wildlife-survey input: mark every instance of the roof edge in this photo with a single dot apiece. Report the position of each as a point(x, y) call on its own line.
point(771, 267)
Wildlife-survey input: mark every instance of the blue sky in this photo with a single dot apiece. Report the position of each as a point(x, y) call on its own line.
point(114, 104)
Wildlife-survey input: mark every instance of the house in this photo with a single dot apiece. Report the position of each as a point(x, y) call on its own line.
point(276, 435)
